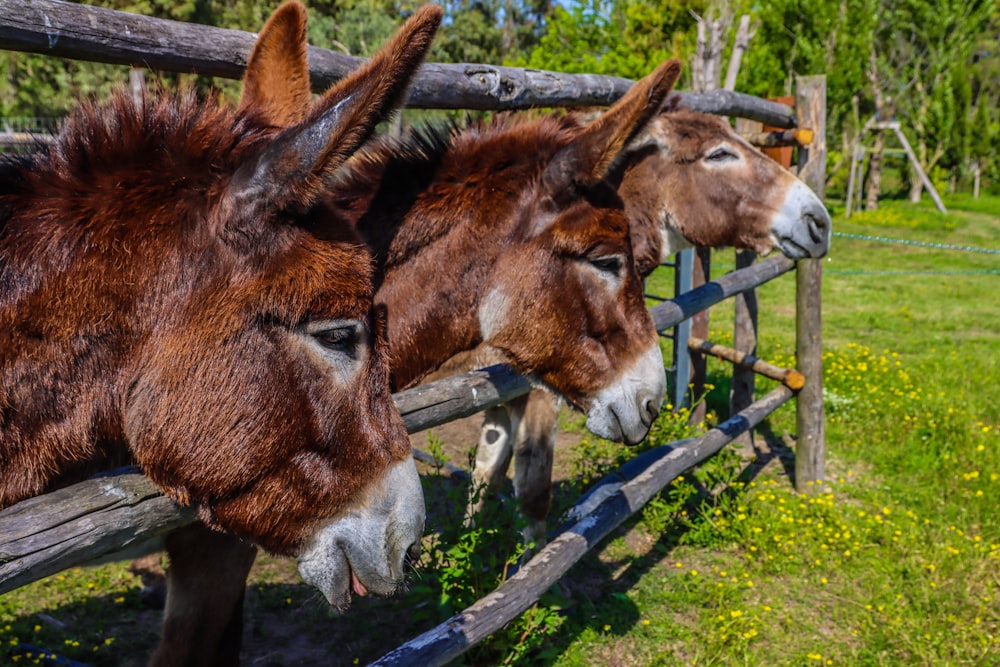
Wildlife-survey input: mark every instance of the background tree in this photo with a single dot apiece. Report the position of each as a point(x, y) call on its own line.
point(625, 38)
point(923, 51)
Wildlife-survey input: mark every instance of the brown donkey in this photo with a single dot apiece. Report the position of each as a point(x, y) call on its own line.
point(688, 180)
point(510, 236)
point(172, 295)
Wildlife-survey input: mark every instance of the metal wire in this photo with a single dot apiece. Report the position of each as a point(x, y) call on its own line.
point(922, 244)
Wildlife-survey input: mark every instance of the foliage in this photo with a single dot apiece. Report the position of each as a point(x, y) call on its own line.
point(491, 31)
point(924, 51)
point(799, 38)
point(898, 214)
point(627, 38)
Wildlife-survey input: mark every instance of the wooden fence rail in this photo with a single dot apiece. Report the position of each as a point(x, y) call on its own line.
point(83, 32)
point(458, 634)
point(670, 313)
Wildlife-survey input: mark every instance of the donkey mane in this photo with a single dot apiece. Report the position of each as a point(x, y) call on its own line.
point(109, 157)
point(167, 130)
point(460, 159)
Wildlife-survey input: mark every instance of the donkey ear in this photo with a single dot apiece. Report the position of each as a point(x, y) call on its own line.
point(294, 168)
point(276, 81)
point(589, 158)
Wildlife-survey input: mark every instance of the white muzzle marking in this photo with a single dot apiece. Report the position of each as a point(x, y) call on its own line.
point(802, 226)
point(624, 410)
point(371, 541)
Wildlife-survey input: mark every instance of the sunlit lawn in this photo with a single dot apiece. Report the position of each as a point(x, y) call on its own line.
point(897, 561)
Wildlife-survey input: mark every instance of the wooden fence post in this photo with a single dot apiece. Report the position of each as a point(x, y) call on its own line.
point(810, 109)
point(743, 388)
point(701, 274)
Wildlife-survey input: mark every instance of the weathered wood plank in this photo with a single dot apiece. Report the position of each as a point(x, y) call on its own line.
point(669, 313)
point(459, 396)
point(80, 523)
point(455, 636)
point(83, 32)
point(743, 389)
point(790, 377)
point(28, 140)
point(730, 103)
point(799, 137)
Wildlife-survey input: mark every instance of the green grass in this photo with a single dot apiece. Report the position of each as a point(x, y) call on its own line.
point(893, 560)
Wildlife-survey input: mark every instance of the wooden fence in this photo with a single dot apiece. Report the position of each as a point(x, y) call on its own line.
point(105, 515)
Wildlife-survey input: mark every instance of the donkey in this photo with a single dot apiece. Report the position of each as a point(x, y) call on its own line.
point(175, 295)
point(508, 235)
point(688, 180)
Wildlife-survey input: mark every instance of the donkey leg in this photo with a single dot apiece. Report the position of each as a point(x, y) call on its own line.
point(493, 454)
point(206, 578)
point(149, 569)
point(533, 455)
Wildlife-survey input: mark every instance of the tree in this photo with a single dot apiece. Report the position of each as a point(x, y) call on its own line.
point(627, 38)
point(921, 48)
point(491, 31)
point(799, 38)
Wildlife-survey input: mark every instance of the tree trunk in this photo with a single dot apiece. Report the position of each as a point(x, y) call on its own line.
point(740, 43)
point(884, 111)
point(875, 172)
point(976, 172)
point(706, 68)
point(916, 186)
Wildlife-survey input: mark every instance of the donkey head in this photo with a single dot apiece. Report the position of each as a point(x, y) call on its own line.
point(566, 302)
point(371, 513)
point(691, 180)
point(174, 288)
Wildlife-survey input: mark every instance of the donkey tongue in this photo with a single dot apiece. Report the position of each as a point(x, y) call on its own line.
point(358, 587)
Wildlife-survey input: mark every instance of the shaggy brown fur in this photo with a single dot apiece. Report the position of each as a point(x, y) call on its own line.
point(171, 294)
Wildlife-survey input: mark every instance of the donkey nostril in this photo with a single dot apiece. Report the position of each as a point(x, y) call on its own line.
point(816, 226)
point(650, 410)
point(412, 555)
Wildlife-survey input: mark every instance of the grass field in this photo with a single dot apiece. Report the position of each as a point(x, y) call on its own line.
point(894, 560)
point(897, 561)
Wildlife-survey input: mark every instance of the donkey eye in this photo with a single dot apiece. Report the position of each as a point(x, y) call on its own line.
point(339, 339)
point(721, 154)
point(609, 264)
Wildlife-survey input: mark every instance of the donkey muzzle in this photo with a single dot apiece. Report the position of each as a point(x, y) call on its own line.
point(625, 410)
point(369, 548)
point(802, 227)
